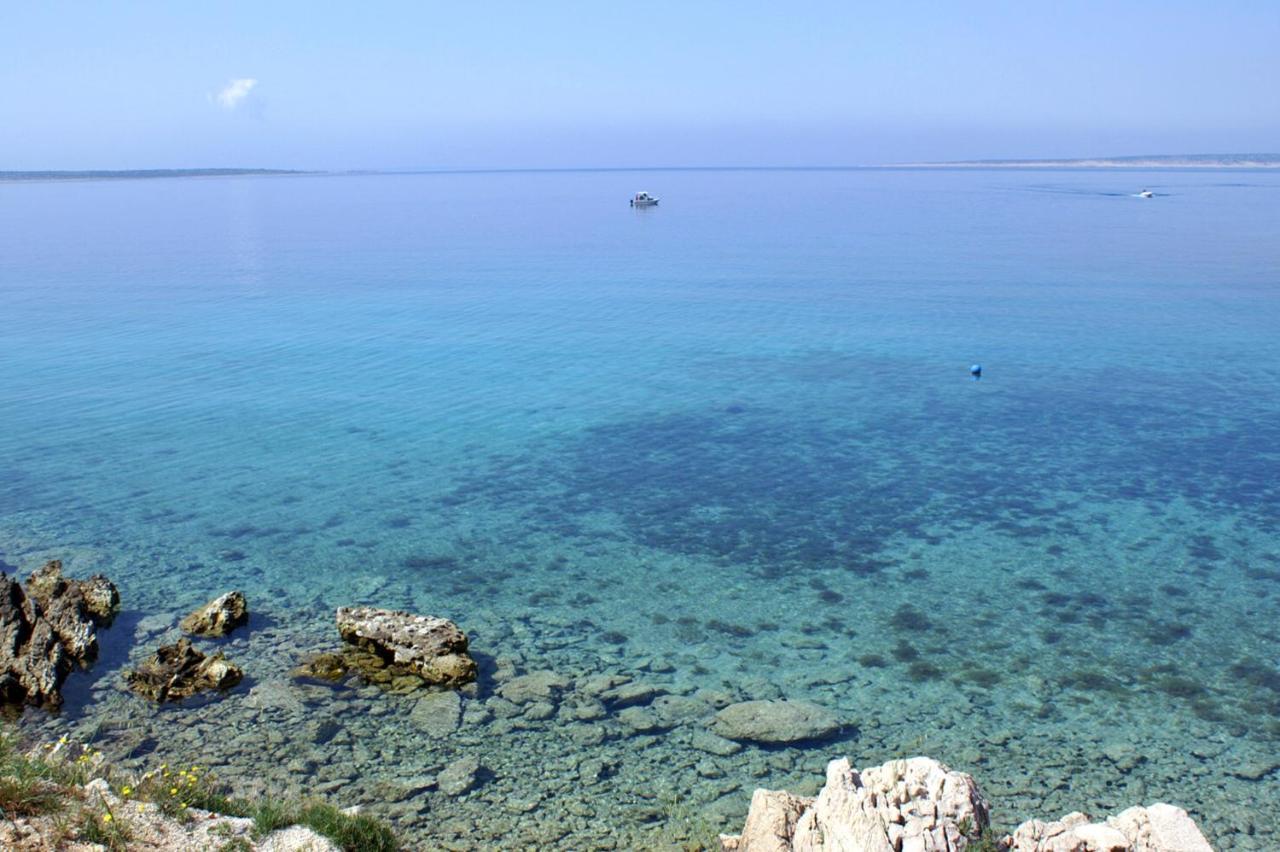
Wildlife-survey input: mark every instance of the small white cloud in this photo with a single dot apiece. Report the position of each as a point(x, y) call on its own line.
point(235, 92)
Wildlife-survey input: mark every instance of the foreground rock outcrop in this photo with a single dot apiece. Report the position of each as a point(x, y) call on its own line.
point(47, 629)
point(915, 805)
point(179, 671)
point(218, 617)
point(399, 645)
point(919, 805)
point(1156, 828)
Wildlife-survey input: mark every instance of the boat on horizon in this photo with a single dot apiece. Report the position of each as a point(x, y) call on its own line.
point(1146, 193)
point(643, 199)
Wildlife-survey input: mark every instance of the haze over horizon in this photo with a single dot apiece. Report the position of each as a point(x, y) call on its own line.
point(425, 87)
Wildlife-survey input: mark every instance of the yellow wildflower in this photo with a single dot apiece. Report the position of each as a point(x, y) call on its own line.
point(173, 791)
point(126, 791)
point(106, 817)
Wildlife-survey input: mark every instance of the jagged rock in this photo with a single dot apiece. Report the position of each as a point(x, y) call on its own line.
point(430, 648)
point(774, 722)
point(771, 822)
point(1156, 828)
point(218, 617)
point(459, 777)
point(915, 805)
point(179, 671)
point(48, 629)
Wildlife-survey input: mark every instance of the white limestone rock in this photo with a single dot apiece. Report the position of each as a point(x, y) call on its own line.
point(1157, 828)
point(915, 805)
point(297, 838)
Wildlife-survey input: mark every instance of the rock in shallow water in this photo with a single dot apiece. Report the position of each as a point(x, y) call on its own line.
point(218, 617)
point(437, 713)
point(542, 685)
point(434, 649)
point(459, 777)
point(179, 671)
point(47, 630)
point(775, 722)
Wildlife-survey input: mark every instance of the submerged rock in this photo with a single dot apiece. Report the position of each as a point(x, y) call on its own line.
point(915, 804)
point(1155, 828)
point(330, 667)
point(542, 685)
point(775, 722)
point(218, 617)
point(437, 713)
point(432, 649)
point(48, 629)
point(179, 671)
point(459, 777)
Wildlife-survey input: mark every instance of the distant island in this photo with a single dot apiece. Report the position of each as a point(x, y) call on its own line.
point(1147, 161)
point(136, 174)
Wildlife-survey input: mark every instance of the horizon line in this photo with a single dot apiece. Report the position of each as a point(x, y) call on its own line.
point(1157, 161)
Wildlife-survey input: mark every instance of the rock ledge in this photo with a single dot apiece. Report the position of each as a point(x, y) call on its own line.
point(919, 805)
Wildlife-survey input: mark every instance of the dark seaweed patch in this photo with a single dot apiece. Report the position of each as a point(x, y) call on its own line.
point(922, 670)
point(422, 562)
point(905, 652)
point(909, 618)
point(979, 676)
point(1166, 633)
point(1090, 680)
point(1256, 673)
point(729, 628)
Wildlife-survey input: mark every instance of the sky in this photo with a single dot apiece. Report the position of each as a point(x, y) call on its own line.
point(421, 85)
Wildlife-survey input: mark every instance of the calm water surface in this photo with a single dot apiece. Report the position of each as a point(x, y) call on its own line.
point(727, 447)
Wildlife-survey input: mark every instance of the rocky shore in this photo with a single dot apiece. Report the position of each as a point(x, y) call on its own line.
point(459, 732)
point(920, 805)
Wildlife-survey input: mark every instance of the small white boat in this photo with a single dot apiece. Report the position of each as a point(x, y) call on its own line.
point(644, 199)
point(1146, 193)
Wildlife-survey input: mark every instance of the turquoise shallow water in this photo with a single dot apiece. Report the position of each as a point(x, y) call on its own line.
point(727, 445)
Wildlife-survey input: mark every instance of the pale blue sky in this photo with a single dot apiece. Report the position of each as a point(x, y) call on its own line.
point(425, 84)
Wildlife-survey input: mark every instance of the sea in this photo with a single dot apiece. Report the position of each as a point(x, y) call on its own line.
point(727, 448)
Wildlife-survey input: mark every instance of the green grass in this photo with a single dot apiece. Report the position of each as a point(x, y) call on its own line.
point(31, 786)
point(35, 784)
point(358, 833)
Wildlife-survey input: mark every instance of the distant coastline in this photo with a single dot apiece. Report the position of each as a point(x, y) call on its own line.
point(1149, 161)
point(140, 174)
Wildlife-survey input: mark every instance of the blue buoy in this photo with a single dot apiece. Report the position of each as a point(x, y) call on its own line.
point(976, 371)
